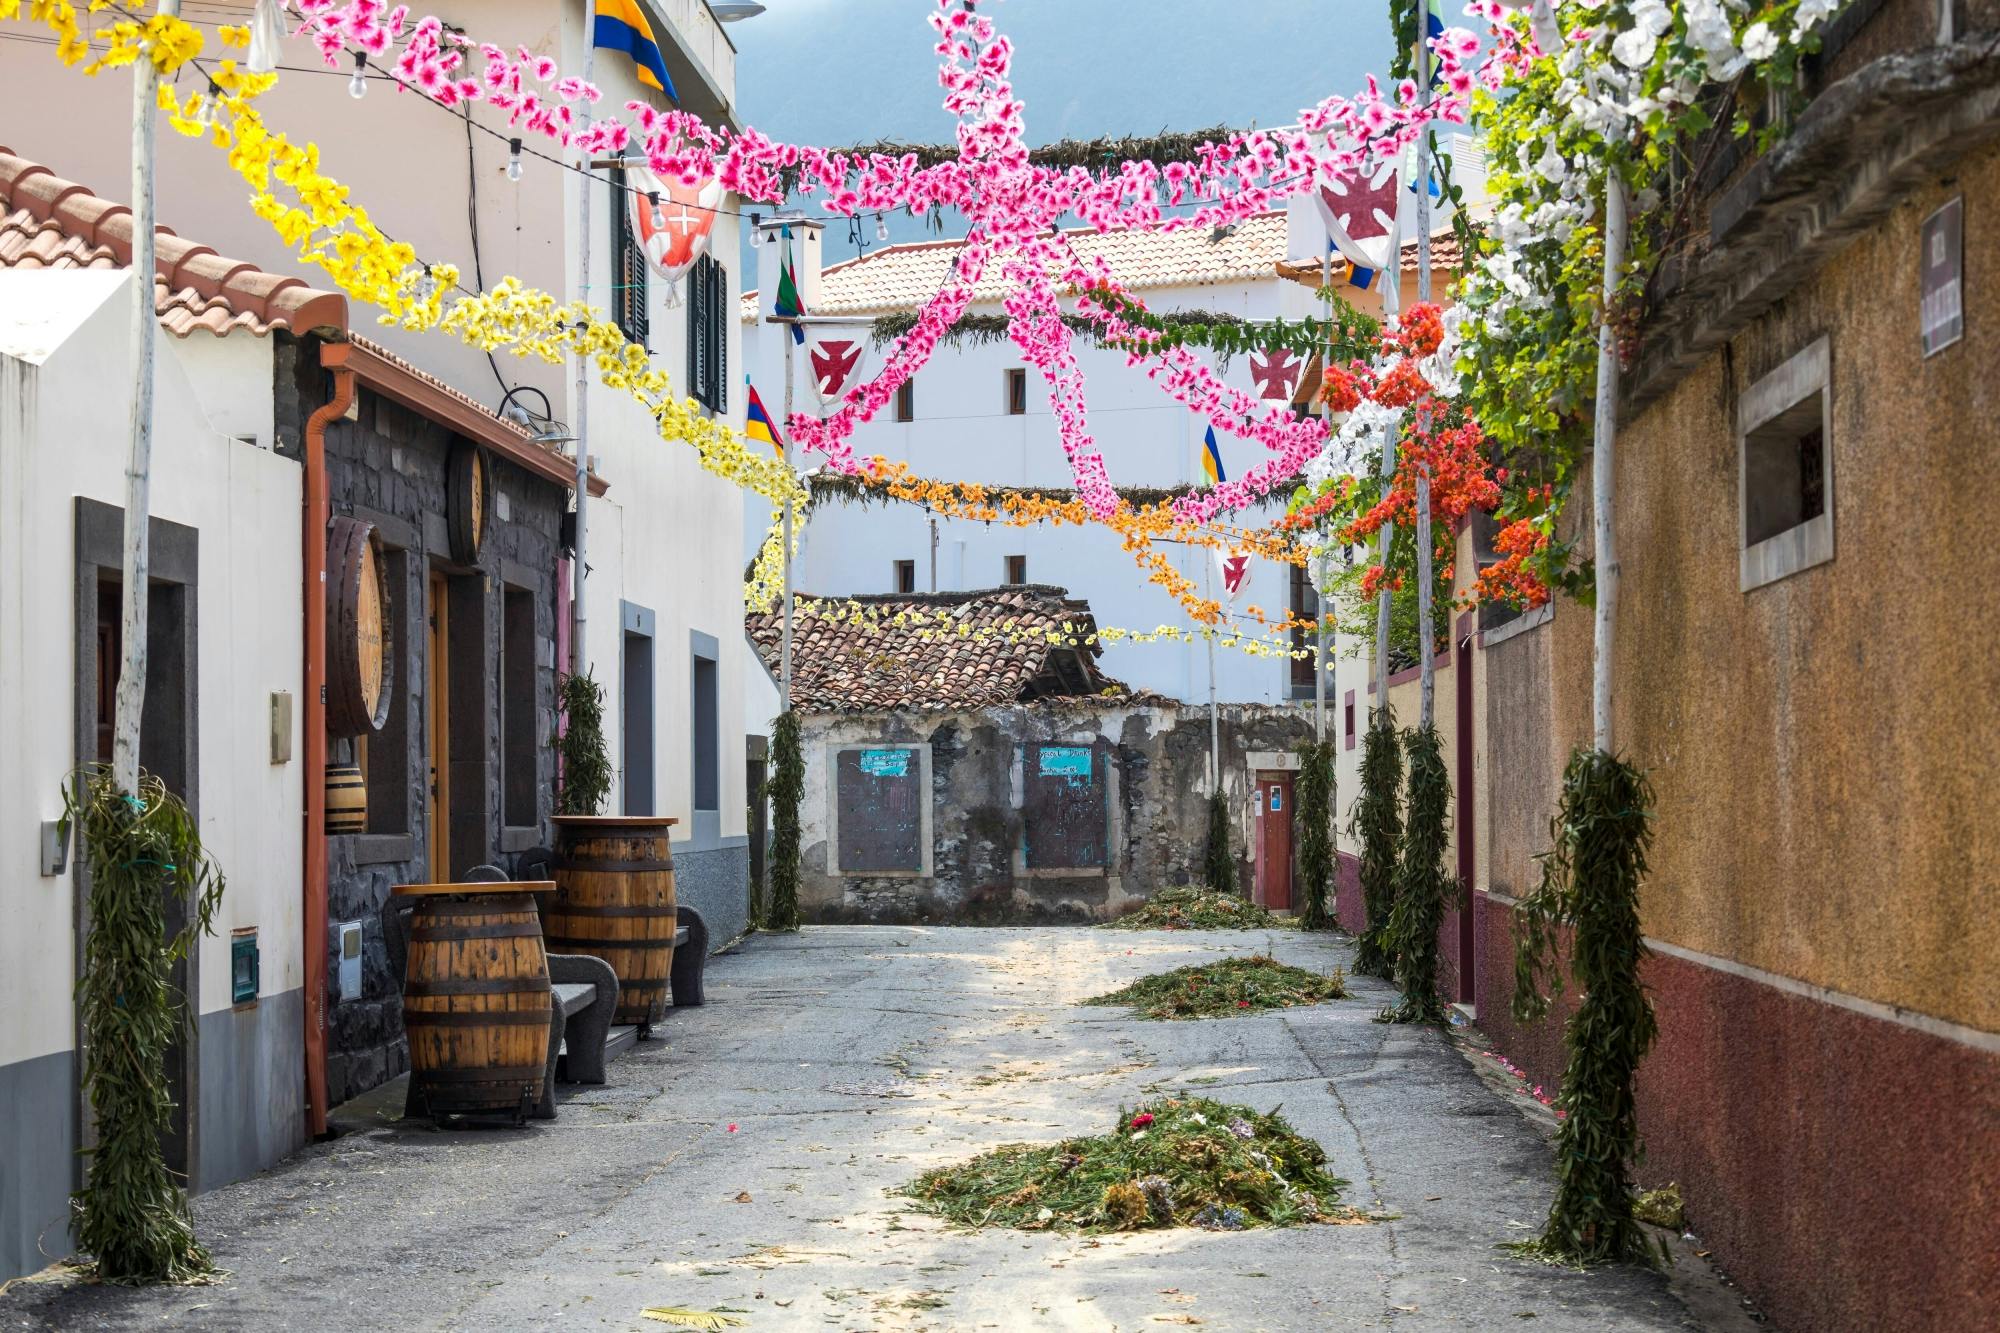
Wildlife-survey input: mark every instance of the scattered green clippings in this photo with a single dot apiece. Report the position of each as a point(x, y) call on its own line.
point(1175, 1162)
point(1227, 989)
point(1661, 1207)
point(1192, 907)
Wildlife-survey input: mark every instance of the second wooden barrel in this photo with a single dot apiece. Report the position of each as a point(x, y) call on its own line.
point(614, 900)
point(475, 999)
point(346, 799)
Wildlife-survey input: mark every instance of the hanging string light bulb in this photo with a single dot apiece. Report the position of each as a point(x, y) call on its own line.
point(357, 87)
point(881, 229)
point(206, 116)
point(659, 218)
point(756, 231)
point(513, 159)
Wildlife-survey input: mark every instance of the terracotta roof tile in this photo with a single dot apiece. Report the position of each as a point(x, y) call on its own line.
point(50, 223)
point(1445, 258)
point(879, 666)
point(903, 277)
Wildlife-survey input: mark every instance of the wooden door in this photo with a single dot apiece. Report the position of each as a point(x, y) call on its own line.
point(437, 711)
point(1274, 840)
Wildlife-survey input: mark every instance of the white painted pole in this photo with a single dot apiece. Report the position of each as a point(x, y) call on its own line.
point(1319, 593)
point(785, 448)
point(1383, 540)
point(1426, 635)
point(1214, 719)
point(579, 659)
point(1603, 466)
point(136, 567)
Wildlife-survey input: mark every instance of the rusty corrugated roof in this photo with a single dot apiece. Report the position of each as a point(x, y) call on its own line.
point(52, 223)
point(1003, 656)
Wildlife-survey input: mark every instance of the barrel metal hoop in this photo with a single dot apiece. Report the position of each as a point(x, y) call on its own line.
point(638, 985)
point(615, 867)
point(572, 909)
point(506, 1074)
point(432, 1018)
point(477, 986)
point(580, 943)
point(487, 905)
point(492, 930)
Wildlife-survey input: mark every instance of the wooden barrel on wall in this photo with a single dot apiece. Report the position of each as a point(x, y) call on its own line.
point(476, 998)
point(346, 799)
point(360, 653)
point(614, 900)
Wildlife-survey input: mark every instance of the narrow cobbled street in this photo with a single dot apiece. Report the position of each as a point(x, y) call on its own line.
point(744, 1163)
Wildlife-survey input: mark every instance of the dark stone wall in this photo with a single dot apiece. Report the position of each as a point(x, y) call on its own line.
point(1159, 831)
point(387, 465)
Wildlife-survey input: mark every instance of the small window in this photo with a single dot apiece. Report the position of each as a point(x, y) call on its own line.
point(707, 735)
point(1347, 720)
point(636, 719)
point(1017, 393)
point(708, 333)
point(906, 576)
point(1017, 569)
point(628, 265)
point(1785, 471)
point(1304, 606)
point(906, 400)
point(520, 737)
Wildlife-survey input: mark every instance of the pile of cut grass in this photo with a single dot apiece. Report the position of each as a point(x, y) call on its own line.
point(1227, 989)
point(1192, 907)
point(1175, 1162)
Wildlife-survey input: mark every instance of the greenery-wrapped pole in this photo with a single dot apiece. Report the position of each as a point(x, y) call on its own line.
point(1590, 883)
point(787, 785)
point(1218, 868)
point(586, 765)
point(1378, 826)
point(141, 853)
point(1315, 814)
point(1423, 889)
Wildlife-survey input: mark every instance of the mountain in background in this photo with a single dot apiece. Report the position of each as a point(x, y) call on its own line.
point(840, 72)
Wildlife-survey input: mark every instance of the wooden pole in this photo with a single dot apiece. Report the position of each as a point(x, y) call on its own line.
point(1603, 465)
point(139, 471)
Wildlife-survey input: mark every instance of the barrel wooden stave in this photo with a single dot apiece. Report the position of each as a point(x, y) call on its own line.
point(476, 1003)
point(615, 900)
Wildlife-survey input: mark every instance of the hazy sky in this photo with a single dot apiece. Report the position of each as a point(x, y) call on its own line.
point(843, 71)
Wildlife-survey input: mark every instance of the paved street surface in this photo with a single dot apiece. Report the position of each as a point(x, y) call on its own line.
point(742, 1162)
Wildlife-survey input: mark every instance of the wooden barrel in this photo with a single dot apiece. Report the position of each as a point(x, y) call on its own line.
point(346, 799)
point(614, 900)
point(476, 998)
point(360, 651)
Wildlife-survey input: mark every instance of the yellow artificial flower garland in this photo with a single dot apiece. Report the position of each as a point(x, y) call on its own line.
point(323, 228)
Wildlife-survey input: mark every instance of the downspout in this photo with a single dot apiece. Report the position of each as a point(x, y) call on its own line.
point(312, 541)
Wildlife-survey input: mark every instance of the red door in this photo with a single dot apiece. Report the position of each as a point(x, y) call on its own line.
point(1274, 840)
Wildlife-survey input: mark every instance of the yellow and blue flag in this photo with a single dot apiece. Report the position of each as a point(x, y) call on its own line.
point(621, 26)
point(1211, 459)
point(757, 423)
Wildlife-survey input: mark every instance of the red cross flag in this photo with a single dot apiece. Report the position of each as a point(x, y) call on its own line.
point(673, 220)
point(1235, 569)
point(836, 364)
point(1276, 372)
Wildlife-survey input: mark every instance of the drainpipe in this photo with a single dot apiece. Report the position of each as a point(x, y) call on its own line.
point(312, 540)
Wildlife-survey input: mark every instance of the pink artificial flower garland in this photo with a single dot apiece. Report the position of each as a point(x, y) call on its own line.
point(1012, 206)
